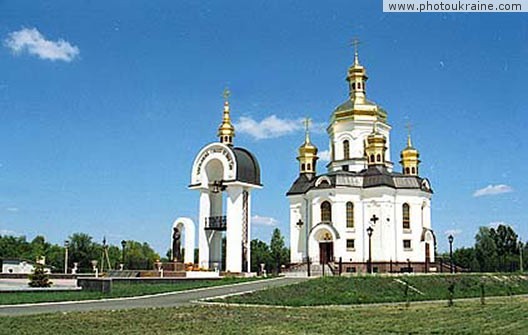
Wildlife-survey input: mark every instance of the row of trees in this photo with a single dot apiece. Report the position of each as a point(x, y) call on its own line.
point(273, 256)
point(82, 250)
point(495, 250)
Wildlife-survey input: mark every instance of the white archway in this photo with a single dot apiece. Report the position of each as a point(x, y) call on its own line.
point(188, 226)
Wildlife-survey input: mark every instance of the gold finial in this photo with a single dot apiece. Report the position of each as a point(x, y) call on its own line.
point(226, 131)
point(355, 43)
point(409, 128)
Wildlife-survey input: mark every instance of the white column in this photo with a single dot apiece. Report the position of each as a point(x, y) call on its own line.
point(203, 243)
point(234, 229)
point(249, 231)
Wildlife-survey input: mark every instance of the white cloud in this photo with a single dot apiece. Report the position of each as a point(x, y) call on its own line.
point(33, 42)
point(264, 220)
point(493, 190)
point(12, 209)
point(324, 156)
point(6, 232)
point(453, 232)
point(272, 127)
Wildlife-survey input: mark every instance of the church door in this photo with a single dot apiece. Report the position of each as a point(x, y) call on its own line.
point(326, 252)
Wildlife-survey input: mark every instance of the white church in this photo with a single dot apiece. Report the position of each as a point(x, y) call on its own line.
point(361, 213)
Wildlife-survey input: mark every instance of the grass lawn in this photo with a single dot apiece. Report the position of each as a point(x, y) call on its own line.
point(366, 289)
point(498, 316)
point(118, 290)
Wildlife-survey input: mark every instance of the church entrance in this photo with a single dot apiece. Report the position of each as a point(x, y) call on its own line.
point(326, 252)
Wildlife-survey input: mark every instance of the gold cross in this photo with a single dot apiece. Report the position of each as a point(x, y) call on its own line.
point(409, 127)
point(355, 43)
point(307, 123)
point(226, 93)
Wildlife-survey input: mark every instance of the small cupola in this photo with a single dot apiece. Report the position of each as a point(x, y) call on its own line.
point(307, 155)
point(357, 78)
point(375, 147)
point(226, 130)
point(410, 158)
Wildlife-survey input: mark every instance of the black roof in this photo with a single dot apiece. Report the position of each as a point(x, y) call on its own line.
point(248, 169)
point(373, 176)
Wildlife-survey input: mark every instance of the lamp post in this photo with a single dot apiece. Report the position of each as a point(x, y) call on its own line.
point(66, 246)
point(450, 238)
point(123, 245)
point(520, 256)
point(369, 264)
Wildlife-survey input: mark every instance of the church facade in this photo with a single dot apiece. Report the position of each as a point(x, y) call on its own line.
point(361, 213)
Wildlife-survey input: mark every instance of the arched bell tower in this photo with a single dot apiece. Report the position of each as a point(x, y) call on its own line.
point(225, 175)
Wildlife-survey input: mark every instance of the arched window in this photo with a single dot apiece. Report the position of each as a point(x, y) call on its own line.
point(378, 158)
point(407, 171)
point(303, 166)
point(406, 216)
point(308, 166)
point(413, 169)
point(346, 149)
point(349, 215)
point(326, 212)
point(372, 158)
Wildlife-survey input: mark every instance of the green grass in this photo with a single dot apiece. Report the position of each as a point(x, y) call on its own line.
point(366, 289)
point(498, 316)
point(118, 290)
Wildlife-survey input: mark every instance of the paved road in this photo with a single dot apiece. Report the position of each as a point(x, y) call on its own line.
point(170, 299)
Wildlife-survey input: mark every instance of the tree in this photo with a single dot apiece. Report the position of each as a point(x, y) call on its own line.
point(260, 254)
point(507, 247)
point(83, 250)
point(39, 278)
point(486, 250)
point(139, 256)
point(279, 253)
point(466, 258)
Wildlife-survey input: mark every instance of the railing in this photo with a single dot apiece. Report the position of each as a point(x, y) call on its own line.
point(216, 223)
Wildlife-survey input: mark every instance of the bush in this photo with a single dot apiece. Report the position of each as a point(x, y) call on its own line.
point(39, 278)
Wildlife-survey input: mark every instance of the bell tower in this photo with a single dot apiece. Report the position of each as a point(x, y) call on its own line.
point(307, 154)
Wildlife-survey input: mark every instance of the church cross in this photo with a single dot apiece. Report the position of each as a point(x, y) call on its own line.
point(307, 123)
point(374, 219)
point(409, 127)
point(226, 94)
point(355, 43)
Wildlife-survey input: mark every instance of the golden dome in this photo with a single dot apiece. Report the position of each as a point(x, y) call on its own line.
point(226, 130)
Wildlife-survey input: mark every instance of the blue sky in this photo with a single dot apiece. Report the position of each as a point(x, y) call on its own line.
point(103, 106)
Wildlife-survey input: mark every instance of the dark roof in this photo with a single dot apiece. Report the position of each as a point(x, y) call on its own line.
point(248, 169)
point(374, 176)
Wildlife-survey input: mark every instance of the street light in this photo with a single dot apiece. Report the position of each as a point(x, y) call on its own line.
point(123, 244)
point(520, 256)
point(450, 238)
point(369, 264)
point(66, 246)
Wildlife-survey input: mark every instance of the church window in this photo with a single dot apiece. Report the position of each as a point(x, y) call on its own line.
point(407, 171)
point(413, 169)
point(308, 166)
point(378, 158)
point(326, 212)
point(349, 215)
point(350, 244)
point(345, 167)
point(407, 244)
point(353, 86)
point(406, 216)
point(359, 86)
point(372, 158)
point(346, 149)
point(303, 166)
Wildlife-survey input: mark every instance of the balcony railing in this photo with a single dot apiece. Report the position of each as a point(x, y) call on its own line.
point(216, 223)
